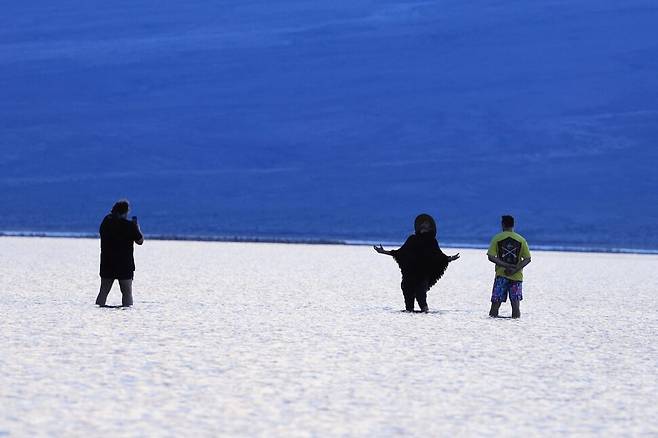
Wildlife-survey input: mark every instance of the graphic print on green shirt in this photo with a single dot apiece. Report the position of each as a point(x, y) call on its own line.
point(511, 248)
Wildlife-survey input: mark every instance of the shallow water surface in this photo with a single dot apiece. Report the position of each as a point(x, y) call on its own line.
point(294, 340)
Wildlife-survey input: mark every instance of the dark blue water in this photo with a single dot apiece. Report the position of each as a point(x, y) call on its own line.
point(333, 120)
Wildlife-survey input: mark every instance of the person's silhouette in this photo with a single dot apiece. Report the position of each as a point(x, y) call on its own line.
point(421, 261)
point(117, 263)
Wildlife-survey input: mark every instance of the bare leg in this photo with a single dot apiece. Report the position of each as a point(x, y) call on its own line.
point(421, 297)
point(516, 311)
point(409, 297)
point(126, 292)
point(106, 286)
point(494, 309)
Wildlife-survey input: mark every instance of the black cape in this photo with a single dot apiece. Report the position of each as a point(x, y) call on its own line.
point(420, 258)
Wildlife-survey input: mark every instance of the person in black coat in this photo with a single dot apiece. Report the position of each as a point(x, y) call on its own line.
point(117, 263)
point(421, 261)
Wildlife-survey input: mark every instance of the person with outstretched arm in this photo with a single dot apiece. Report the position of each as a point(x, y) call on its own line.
point(118, 234)
point(510, 253)
point(421, 261)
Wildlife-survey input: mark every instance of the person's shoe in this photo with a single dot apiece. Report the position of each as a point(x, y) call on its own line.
point(424, 309)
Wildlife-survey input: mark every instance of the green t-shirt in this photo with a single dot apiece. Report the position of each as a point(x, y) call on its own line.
point(512, 248)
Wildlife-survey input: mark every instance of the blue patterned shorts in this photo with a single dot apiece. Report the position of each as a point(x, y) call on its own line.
point(504, 286)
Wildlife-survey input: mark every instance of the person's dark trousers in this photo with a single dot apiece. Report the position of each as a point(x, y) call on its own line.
point(126, 291)
point(415, 291)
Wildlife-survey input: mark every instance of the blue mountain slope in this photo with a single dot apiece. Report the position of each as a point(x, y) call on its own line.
point(333, 119)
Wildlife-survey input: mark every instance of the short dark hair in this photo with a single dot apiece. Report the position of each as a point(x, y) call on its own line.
point(508, 221)
point(121, 207)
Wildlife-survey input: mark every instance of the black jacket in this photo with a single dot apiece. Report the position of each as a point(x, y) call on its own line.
point(117, 238)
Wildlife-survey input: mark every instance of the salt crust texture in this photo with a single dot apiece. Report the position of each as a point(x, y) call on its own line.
point(294, 340)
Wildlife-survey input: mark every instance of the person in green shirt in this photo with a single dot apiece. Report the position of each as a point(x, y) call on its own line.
point(510, 253)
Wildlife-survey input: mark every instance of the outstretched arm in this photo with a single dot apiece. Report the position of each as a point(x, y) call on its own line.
point(380, 249)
